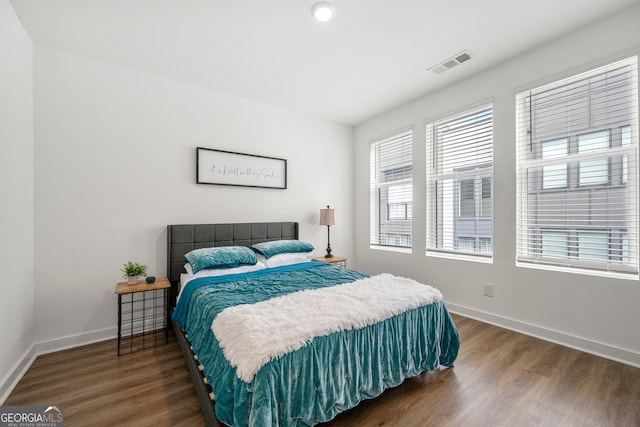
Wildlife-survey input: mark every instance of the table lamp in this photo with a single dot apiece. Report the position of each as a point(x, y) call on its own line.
point(327, 218)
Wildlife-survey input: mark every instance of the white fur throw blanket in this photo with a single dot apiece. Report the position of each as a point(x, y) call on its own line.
point(251, 335)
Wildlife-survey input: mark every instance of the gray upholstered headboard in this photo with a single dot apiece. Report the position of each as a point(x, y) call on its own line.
point(186, 237)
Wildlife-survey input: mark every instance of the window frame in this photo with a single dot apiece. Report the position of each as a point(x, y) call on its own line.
point(530, 203)
point(443, 183)
point(383, 227)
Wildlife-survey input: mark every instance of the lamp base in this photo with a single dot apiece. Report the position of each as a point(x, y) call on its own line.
point(328, 254)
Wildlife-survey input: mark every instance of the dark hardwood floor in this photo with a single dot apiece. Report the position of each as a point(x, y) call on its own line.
point(501, 378)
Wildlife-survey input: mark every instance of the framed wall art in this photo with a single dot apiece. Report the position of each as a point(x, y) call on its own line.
point(220, 167)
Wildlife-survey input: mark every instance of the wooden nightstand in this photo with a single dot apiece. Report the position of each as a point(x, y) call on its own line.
point(337, 260)
point(142, 314)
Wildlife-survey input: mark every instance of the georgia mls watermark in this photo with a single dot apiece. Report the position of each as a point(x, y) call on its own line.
point(31, 416)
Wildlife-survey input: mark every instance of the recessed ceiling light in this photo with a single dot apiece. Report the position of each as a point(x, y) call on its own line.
point(323, 11)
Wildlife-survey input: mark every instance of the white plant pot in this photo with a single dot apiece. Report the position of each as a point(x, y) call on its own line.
point(132, 280)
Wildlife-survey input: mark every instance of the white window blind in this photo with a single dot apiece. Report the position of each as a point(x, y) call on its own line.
point(577, 178)
point(460, 183)
point(391, 184)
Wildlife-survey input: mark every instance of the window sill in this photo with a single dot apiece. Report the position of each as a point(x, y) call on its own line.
point(391, 249)
point(574, 270)
point(460, 257)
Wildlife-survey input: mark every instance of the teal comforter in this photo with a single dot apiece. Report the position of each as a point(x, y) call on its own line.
point(326, 377)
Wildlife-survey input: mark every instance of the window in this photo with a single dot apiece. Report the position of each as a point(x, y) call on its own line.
point(576, 172)
point(459, 183)
point(400, 240)
point(593, 245)
point(485, 245)
point(391, 184)
point(625, 141)
point(486, 205)
point(554, 176)
point(467, 244)
point(467, 207)
point(593, 172)
point(399, 202)
point(554, 244)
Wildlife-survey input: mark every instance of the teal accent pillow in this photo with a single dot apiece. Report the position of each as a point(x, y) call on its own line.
point(269, 249)
point(220, 257)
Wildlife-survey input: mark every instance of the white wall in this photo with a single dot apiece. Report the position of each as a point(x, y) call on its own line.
point(16, 193)
point(597, 314)
point(115, 163)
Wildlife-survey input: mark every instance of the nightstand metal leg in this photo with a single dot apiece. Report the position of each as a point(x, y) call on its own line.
point(119, 321)
point(166, 320)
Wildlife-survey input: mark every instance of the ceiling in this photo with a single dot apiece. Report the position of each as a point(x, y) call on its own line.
point(373, 56)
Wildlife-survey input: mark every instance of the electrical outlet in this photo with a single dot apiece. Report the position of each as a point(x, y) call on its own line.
point(487, 290)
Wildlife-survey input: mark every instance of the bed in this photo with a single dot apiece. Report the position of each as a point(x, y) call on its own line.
point(313, 344)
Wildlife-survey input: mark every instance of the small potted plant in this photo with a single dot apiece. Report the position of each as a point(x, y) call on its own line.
point(132, 271)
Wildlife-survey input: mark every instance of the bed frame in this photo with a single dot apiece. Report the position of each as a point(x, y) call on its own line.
point(186, 237)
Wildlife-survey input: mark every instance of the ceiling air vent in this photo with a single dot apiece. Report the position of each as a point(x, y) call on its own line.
point(454, 61)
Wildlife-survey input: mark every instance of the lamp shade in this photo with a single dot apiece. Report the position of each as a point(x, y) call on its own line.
point(327, 217)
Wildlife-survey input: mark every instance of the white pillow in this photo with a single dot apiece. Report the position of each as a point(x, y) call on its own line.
point(285, 259)
point(222, 271)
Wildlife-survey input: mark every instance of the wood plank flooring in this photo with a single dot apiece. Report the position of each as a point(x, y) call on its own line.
point(501, 378)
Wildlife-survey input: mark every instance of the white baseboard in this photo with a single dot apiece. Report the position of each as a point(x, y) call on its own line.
point(607, 351)
point(38, 349)
point(72, 341)
point(10, 381)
